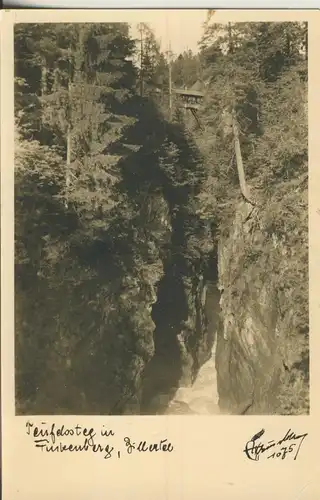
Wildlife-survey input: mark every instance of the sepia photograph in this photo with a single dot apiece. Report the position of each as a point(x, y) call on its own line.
point(161, 218)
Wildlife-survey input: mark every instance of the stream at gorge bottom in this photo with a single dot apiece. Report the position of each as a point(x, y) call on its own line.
point(202, 397)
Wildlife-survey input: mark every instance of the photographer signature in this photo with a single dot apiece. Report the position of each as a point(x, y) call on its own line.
point(289, 444)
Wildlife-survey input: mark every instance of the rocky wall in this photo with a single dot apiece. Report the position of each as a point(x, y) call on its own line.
point(249, 362)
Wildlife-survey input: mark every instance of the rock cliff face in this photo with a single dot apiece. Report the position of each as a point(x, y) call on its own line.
point(255, 346)
point(234, 299)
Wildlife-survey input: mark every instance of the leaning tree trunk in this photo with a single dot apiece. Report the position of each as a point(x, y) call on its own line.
point(242, 179)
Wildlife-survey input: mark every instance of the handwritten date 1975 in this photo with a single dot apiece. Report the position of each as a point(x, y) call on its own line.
point(289, 445)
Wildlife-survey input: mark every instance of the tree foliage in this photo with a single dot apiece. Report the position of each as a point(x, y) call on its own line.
point(100, 177)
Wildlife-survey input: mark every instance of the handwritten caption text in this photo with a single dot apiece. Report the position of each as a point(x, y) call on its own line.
point(52, 438)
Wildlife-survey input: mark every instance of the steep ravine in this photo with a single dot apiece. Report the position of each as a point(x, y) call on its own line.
point(236, 362)
point(211, 337)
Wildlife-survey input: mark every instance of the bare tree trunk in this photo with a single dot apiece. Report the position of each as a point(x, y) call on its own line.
point(235, 128)
point(55, 78)
point(43, 79)
point(231, 44)
point(68, 159)
point(170, 89)
point(306, 40)
point(242, 179)
point(43, 89)
point(141, 64)
point(68, 155)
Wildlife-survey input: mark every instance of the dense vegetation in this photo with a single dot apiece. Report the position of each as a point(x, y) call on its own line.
point(119, 208)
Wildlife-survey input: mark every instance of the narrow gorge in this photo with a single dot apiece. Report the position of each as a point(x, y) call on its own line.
point(235, 363)
point(161, 221)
